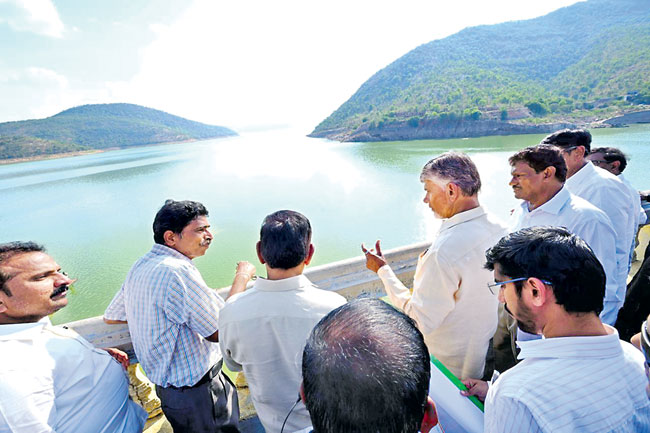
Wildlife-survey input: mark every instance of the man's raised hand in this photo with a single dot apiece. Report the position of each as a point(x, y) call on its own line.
point(374, 259)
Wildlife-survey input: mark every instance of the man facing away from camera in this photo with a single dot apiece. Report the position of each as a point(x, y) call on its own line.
point(580, 377)
point(263, 330)
point(173, 321)
point(450, 301)
point(366, 368)
point(52, 379)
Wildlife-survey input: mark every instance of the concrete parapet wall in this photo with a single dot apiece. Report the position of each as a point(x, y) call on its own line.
point(348, 277)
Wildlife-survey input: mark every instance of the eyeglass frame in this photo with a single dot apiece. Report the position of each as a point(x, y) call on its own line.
point(645, 342)
point(568, 149)
point(501, 283)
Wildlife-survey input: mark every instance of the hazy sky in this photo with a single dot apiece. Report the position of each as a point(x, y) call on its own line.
point(239, 63)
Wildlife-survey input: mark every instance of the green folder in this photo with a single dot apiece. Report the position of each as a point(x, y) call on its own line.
point(456, 381)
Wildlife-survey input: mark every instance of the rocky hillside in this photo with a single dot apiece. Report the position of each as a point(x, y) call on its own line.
point(577, 65)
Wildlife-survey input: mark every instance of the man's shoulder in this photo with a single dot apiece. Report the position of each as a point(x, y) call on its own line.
point(485, 230)
point(580, 206)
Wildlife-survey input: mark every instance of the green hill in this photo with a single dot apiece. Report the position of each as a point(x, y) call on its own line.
point(581, 63)
point(99, 126)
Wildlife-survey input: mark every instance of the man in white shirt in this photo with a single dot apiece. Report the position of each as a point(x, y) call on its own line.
point(53, 380)
point(615, 161)
point(449, 302)
point(606, 192)
point(538, 176)
point(263, 330)
point(366, 368)
point(580, 376)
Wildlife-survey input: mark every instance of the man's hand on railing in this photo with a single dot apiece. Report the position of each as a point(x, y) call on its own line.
point(374, 259)
point(119, 356)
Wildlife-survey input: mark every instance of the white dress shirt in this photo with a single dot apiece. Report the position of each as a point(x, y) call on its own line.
point(263, 331)
point(589, 223)
point(571, 384)
point(641, 218)
point(53, 380)
point(451, 302)
point(605, 191)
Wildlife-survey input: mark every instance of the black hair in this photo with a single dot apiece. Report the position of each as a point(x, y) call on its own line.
point(175, 216)
point(365, 368)
point(11, 249)
point(556, 255)
point(570, 138)
point(540, 157)
point(285, 237)
point(611, 154)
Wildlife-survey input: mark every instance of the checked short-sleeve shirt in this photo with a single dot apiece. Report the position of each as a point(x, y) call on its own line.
point(170, 310)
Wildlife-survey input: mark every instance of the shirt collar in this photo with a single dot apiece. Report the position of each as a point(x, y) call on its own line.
point(462, 217)
point(581, 176)
point(599, 347)
point(164, 250)
point(553, 206)
point(23, 331)
point(293, 283)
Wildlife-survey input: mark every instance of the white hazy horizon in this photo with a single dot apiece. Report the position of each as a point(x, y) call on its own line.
point(244, 65)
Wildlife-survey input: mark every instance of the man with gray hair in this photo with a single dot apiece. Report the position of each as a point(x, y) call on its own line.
point(450, 301)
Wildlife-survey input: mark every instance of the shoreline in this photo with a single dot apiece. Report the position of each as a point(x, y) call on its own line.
point(91, 151)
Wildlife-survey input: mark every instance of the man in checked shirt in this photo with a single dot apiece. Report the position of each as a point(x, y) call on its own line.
point(173, 315)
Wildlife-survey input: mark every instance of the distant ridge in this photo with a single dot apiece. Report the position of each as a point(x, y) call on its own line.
point(575, 66)
point(99, 126)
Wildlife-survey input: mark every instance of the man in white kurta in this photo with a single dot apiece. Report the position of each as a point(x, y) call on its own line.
point(606, 192)
point(263, 331)
point(450, 301)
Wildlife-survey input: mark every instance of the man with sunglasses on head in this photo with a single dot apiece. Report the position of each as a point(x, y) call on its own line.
point(51, 378)
point(606, 192)
point(580, 376)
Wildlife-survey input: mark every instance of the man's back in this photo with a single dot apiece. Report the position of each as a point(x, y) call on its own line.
point(263, 332)
point(608, 193)
point(570, 384)
point(170, 310)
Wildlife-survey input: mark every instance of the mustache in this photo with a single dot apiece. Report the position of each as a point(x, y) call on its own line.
point(61, 289)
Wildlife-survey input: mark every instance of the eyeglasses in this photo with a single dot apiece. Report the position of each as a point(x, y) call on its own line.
point(645, 342)
point(499, 284)
point(598, 161)
point(568, 149)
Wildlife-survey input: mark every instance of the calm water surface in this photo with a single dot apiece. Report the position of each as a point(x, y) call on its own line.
point(94, 212)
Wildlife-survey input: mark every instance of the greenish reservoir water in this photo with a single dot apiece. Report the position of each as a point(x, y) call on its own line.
point(94, 212)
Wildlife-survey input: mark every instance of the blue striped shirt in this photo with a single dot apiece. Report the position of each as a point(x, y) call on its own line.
point(170, 310)
point(571, 384)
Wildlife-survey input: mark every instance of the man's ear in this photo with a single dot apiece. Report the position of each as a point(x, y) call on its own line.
point(3, 306)
point(549, 172)
point(170, 238)
point(539, 291)
point(301, 392)
point(452, 191)
point(258, 248)
point(616, 165)
point(310, 254)
point(430, 419)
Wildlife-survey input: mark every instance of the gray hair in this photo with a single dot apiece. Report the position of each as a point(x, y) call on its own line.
point(454, 167)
